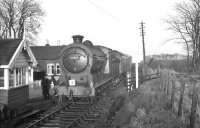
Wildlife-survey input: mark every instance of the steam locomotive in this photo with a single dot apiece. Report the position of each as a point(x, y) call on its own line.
point(86, 67)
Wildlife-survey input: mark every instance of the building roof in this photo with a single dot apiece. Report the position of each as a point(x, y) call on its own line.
point(46, 52)
point(7, 49)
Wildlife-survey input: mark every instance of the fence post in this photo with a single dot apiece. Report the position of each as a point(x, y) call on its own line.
point(165, 81)
point(194, 105)
point(168, 83)
point(182, 89)
point(161, 79)
point(173, 93)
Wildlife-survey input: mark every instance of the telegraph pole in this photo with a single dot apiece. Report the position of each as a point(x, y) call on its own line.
point(143, 44)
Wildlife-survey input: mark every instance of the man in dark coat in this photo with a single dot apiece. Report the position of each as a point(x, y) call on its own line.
point(45, 87)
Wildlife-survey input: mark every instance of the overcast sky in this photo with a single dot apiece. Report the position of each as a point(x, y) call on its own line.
point(112, 23)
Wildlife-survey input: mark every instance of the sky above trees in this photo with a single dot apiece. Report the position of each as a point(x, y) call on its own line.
point(114, 24)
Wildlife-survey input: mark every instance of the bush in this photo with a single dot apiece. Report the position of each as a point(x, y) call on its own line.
point(160, 118)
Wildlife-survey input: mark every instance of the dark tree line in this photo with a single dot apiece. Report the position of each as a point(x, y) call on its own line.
point(18, 17)
point(186, 24)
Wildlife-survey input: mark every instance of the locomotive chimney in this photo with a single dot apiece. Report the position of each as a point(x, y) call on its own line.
point(78, 38)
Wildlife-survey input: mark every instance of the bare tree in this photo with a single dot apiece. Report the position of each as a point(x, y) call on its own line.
point(7, 14)
point(15, 15)
point(186, 24)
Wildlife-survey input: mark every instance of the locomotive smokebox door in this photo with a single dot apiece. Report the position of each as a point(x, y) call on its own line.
point(72, 82)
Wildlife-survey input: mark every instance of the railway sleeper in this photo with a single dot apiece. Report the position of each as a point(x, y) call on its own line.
point(71, 113)
point(78, 106)
point(80, 103)
point(69, 116)
point(60, 121)
point(68, 121)
point(72, 116)
point(87, 119)
point(77, 110)
point(66, 116)
point(50, 124)
point(93, 116)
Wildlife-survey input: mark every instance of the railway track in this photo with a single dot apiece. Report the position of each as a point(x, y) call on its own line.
point(71, 114)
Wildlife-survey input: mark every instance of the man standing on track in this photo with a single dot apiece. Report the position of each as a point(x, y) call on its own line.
point(45, 86)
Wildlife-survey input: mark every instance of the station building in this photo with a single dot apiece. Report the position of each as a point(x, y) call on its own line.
point(17, 63)
point(48, 58)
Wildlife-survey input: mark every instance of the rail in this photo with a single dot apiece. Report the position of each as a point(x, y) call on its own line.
point(47, 116)
point(147, 77)
point(152, 76)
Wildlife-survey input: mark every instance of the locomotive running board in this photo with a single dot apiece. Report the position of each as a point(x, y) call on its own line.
point(101, 83)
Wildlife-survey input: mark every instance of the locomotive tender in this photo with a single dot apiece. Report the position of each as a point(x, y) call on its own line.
point(86, 67)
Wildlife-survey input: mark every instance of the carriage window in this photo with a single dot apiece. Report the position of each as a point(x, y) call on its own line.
point(1, 77)
point(50, 69)
point(58, 69)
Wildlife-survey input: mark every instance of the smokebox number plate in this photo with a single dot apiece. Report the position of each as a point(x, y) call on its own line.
point(72, 82)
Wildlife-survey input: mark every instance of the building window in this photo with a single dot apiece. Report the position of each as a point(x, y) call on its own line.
point(11, 78)
point(23, 75)
point(50, 69)
point(1, 77)
point(53, 69)
point(20, 76)
point(58, 69)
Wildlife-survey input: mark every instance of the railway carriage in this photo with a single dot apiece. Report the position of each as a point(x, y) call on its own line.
point(125, 62)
